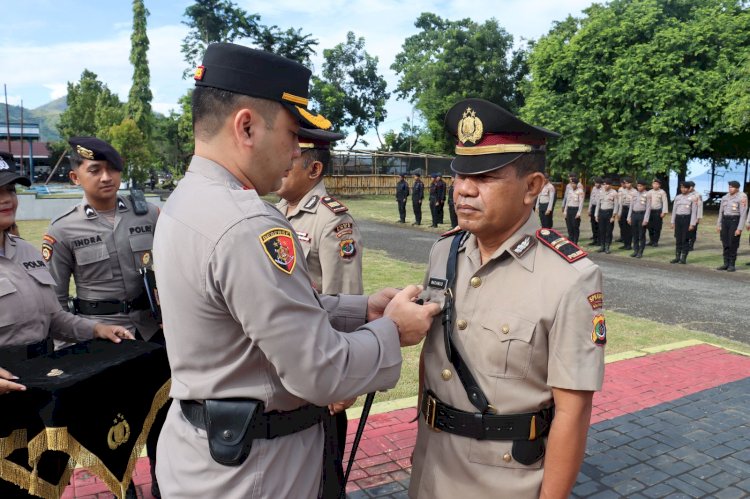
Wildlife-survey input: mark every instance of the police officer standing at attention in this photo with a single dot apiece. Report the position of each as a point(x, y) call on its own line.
point(659, 208)
point(498, 383)
point(402, 194)
point(625, 194)
point(256, 354)
point(437, 198)
point(684, 219)
point(638, 216)
point(451, 203)
point(732, 213)
point(417, 195)
point(698, 200)
point(105, 243)
point(593, 203)
point(545, 203)
point(572, 206)
point(606, 207)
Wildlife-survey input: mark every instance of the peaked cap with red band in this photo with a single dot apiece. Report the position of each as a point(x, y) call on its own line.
point(257, 73)
point(489, 137)
point(317, 139)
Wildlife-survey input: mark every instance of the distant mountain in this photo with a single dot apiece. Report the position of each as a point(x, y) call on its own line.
point(47, 115)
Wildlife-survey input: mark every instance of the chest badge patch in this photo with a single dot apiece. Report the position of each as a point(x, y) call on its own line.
point(347, 248)
point(278, 244)
point(599, 333)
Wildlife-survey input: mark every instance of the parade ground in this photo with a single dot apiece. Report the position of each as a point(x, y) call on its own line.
point(671, 421)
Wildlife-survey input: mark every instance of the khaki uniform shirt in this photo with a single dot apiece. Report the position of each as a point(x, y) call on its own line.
point(625, 196)
point(659, 201)
point(574, 199)
point(640, 202)
point(733, 206)
point(330, 241)
point(242, 320)
point(594, 198)
point(685, 205)
point(29, 310)
point(524, 323)
point(547, 196)
point(698, 200)
point(608, 200)
point(104, 260)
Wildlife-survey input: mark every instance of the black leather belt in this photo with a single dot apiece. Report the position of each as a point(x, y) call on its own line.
point(442, 417)
point(268, 425)
point(109, 307)
point(730, 216)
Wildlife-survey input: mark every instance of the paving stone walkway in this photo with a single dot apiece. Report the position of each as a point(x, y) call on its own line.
point(671, 424)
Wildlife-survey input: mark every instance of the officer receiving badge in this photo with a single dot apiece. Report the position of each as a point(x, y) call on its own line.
point(278, 244)
point(599, 333)
point(347, 248)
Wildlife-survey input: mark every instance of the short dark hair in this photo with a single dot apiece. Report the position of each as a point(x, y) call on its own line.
point(76, 159)
point(316, 154)
point(211, 107)
point(529, 163)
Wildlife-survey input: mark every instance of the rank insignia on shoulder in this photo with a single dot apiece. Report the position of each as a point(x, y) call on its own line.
point(599, 332)
point(278, 243)
point(347, 248)
point(311, 202)
point(560, 245)
point(89, 212)
point(523, 245)
point(333, 205)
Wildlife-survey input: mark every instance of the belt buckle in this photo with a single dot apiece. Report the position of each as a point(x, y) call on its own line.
point(431, 413)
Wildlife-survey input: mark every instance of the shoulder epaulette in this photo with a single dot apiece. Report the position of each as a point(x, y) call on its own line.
point(332, 204)
point(454, 230)
point(64, 214)
point(561, 245)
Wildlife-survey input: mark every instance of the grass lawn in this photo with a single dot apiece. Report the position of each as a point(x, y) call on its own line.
point(624, 333)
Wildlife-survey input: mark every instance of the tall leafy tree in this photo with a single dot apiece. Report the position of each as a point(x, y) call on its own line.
point(291, 43)
point(451, 60)
point(212, 21)
point(639, 85)
point(350, 92)
point(133, 146)
point(139, 98)
point(91, 107)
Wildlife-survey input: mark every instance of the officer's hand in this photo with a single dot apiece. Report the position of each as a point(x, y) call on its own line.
point(7, 384)
point(337, 407)
point(629, 222)
point(718, 230)
point(597, 219)
point(548, 212)
point(738, 232)
point(115, 334)
point(578, 217)
point(412, 320)
point(692, 227)
point(672, 225)
point(377, 302)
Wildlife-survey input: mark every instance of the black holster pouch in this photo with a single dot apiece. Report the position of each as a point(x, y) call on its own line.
point(332, 477)
point(228, 424)
point(528, 451)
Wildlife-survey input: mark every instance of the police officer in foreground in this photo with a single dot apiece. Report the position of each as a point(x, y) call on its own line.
point(638, 217)
point(625, 194)
point(417, 195)
point(105, 243)
point(732, 214)
point(684, 221)
point(604, 215)
point(572, 207)
point(402, 195)
point(497, 378)
point(256, 354)
point(659, 208)
point(545, 203)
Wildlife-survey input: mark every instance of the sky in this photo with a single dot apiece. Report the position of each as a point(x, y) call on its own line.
point(46, 43)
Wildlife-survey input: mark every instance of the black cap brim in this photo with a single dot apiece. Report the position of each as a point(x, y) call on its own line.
point(14, 178)
point(475, 165)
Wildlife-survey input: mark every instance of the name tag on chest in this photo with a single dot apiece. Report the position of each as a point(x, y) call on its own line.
point(436, 282)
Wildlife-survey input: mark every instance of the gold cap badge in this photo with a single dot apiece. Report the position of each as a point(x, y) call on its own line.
point(85, 153)
point(470, 128)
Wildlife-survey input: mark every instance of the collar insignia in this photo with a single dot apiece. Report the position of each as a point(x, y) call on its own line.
point(121, 205)
point(89, 211)
point(523, 246)
point(311, 202)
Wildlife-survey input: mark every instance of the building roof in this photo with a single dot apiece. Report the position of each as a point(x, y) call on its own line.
point(38, 149)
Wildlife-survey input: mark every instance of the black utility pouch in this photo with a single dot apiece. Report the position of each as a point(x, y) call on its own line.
point(528, 451)
point(228, 425)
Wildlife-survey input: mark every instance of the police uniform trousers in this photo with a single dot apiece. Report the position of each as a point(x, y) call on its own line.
point(654, 226)
point(605, 227)
point(417, 206)
point(402, 210)
point(452, 214)
point(639, 231)
point(681, 232)
point(544, 219)
point(729, 241)
point(573, 224)
point(692, 236)
point(594, 227)
point(626, 231)
point(440, 212)
point(434, 212)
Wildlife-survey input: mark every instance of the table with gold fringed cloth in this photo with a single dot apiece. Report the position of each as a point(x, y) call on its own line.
point(90, 405)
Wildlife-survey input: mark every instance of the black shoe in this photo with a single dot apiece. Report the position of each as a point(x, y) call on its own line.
point(675, 260)
point(416, 223)
point(747, 263)
point(723, 267)
point(401, 222)
point(606, 249)
point(600, 250)
point(634, 254)
point(622, 247)
point(655, 245)
point(433, 225)
point(639, 255)
point(731, 268)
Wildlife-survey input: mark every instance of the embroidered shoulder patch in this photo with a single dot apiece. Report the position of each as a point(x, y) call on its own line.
point(49, 239)
point(599, 332)
point(278, 244)
point(347, 248)
point(333, 205)
point(46, 251)
point(561, 245)
point(596, 300)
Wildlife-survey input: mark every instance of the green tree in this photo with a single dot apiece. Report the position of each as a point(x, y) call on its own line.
point(291, 43)
point(133, 146)
point(411, 138)
point(350, 91)
point(451, 60)
point(212, 21)
point(90, 105)
point(638, 85)
point(139, 98)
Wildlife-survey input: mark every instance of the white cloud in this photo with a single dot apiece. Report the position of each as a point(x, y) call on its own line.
point(56, 90)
